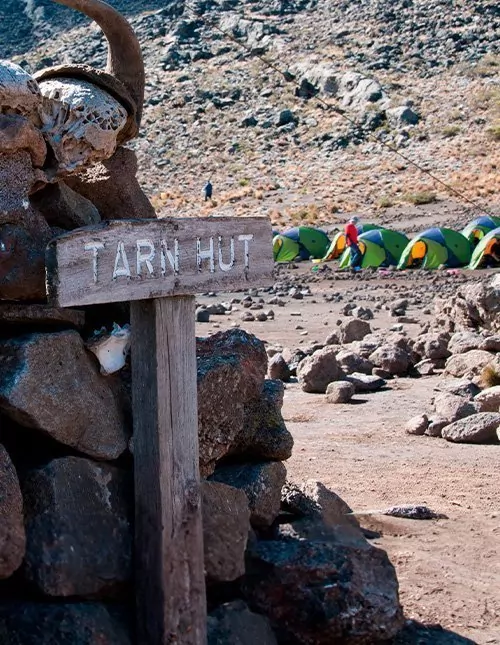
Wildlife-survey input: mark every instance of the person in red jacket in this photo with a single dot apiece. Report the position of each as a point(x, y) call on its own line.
point(351, 237)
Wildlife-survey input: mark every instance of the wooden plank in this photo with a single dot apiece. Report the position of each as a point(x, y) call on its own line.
point(141, 259)
point(170, 585)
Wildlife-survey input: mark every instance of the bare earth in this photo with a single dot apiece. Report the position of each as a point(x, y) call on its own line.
point(449, 569)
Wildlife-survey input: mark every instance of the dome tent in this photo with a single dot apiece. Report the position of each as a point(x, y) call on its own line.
point(436, 247)
point(481, 253)
point(480, 227)
point(338, 243)
point(303, 241)
point(379, 247)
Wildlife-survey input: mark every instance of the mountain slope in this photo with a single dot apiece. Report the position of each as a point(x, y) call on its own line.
point(422, 76)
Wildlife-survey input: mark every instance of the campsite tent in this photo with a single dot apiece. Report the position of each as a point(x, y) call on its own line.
point(480, 227)
point(481, 253)
point(436, 247)
point(304, 241)
point(379, 247)
point(338, 243)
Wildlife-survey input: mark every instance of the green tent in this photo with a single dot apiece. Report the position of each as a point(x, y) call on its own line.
point(379, 247)
point(338, 243)
point(480, 227)
point(481, 255)
point(436, 247)
point(303, 241)
point(284, 249)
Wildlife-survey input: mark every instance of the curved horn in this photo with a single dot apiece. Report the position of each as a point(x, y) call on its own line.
point(124, 51)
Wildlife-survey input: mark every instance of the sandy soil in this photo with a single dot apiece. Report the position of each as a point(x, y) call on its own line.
point(449, 569)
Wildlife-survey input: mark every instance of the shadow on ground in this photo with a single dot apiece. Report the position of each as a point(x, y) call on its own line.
point(417, 634)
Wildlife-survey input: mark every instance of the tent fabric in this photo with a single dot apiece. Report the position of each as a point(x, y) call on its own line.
point(379, 247)
point(312, 242)
point(338, 243)
point(285, 249)
point(483, 248)
point(480, 227)
point(436, 247)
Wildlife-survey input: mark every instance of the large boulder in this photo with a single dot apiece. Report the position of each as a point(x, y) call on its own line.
point(469, 364)
point(113, 188)
point(392, 359)
point(465, 341)
point(231, 371)
point(320, 592)
point(452, 407)
point(49, 382)
point(461, 387)
point(226, 525)
point(262, 483)
point(432, 345)
point(479, 428)
point(354, 329)
point(265, 435)
point(475, 306)
point(78, 528)
point(12, 535)
point(317, 371)
point(234, 624)
point(77, 623)
point(350, 362)
point(489, 400)
point(64, 208)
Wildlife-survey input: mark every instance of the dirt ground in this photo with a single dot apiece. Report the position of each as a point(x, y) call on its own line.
point(448, 569)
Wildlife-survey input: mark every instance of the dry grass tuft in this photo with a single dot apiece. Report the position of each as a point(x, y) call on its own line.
point(490, 376)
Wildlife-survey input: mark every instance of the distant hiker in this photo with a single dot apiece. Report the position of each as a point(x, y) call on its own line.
point(351, 239)
point(208, 190)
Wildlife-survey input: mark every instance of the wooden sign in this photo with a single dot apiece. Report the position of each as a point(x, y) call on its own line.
point(136, 260)
point(159, 265)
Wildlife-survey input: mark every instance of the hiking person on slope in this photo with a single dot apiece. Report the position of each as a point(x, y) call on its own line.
point(208, 190)
point(351, 238)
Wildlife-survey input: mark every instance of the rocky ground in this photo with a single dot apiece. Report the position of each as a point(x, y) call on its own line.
point(447, 568)
point(422, 77)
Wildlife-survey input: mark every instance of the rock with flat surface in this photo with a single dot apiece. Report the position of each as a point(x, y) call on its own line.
point(231, 369)
point(392, 359)
point(351, 362)
point(353, 330)
point(489, 399)
point(265, 435)
point(234, 624)
point(417, 425)
point(78, 528)
point(452, 407)
point(38, 623)
point(12, 535)
point(468, 365)
point(461, 387)
point(339, 392)
point(436, 426)
point(226, 525)
point(365, 382)
point(317, 371)
point(49, 382)
point(262, 482)
point(320, 592)
point(479, 428)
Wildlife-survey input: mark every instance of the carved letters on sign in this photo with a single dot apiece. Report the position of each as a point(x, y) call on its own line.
point(150, 258)
point(139, 259)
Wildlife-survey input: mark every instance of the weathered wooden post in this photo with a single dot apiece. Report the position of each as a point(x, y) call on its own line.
point(159, 265)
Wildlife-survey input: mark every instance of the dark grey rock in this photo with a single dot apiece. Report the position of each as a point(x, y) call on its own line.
point(262, 483)
point(12, 534)
point(78, 528)
point(226, 525)
point(234, 624)
point(49, 382)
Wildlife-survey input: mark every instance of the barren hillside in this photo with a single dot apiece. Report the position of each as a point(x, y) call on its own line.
point(420, 76)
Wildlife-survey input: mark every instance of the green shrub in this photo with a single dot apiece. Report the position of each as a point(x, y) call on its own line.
point(420, 198)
